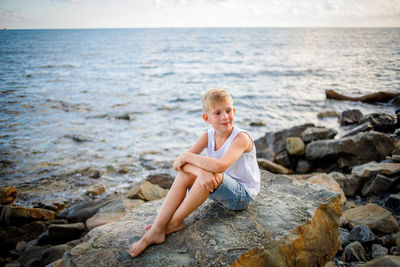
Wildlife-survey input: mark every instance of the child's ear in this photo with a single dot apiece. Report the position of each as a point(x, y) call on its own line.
point(234, 111)
point(205, 117)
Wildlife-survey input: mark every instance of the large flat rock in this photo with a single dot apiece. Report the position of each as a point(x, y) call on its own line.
point(298, 222)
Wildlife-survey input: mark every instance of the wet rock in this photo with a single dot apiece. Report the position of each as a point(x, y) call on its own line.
point(32, 257)
point(123, 117)
point(10, 215)
point(394, 201)
point(164, 180)
point(378, 251)
point(376, 218)
point(382, 122)
point(344, 237)
point(365, 127)
point(61, 233)
point(282, 158)
point(53, 253)
point(329, 182)
point(147, 191)
point(387, 261)
point(8, 195)
point(266, 154)
point(378, 185)
point(328, 114)
point(352, 116)
point(77, 139)
point(372, 168)
point(55, 206)
point(96, 190)
point(258, 124)
point(272, 167)
point(361, 233)
point(295, 146)
point(276, 141)
point(317, 133)
point(296, 224)
point(82, 211)
point(303, 166)
point(352, 151)
point(350, 184)
point(113, 211)
point(354, 252)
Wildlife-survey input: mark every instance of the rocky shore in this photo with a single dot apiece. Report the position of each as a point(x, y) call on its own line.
point(326, 200)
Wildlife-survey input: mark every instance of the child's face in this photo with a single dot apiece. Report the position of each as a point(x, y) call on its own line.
point(221, 116)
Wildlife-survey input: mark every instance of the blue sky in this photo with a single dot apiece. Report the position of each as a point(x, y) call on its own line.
point(33, 14)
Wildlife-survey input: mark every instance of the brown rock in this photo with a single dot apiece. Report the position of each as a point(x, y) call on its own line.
point(376, 218)
point(386, 261)
point(354, 252)
point(328, 114)
point(147, 191)
point(329, 182)
point(272, 167)
point(350, 184)
point(295, 146)
point(96, 190)
point(163, 179)
point(20, 215)
point(8, 195)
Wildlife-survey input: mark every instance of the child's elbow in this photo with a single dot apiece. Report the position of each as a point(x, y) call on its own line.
point(221, 167)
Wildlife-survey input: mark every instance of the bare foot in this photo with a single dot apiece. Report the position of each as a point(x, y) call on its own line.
point(152, 236)
point(170, 228)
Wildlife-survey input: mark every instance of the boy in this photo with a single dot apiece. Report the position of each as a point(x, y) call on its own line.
point(229, 174)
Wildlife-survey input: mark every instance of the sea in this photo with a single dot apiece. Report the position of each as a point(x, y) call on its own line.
point(126, 102)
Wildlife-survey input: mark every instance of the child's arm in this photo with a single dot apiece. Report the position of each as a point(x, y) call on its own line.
point(240, 144)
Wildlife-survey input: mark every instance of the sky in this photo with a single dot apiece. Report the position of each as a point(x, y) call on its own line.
point(38, 14)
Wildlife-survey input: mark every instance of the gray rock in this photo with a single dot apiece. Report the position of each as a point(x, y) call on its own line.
point(163, 180)
point(354, 252)
point(386, 261)
point(303, 166)
point(276, 141)
point(378, 251)
point(365, 127)
point(350, 184)
point(353, 150)
point(283, 159)
point(352, 116)
point(82, 211)
point(344, 237)
point(62, 233)
point(378, 185)
point(382, 122)
point(32, 256)
point(371, 169)
point(317, 133)
point(266, 153)
point(54, 253)
point(394, 201)
point(361, 233)
point(303, 218)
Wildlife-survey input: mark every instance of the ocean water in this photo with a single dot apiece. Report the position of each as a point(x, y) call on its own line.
point(63, 92)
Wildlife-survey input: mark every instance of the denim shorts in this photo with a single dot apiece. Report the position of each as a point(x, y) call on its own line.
point(231, 194)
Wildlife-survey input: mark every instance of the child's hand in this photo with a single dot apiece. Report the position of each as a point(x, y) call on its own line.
point(210, 181)
point(178, 163)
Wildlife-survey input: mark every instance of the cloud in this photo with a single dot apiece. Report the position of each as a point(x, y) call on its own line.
point(10, 14)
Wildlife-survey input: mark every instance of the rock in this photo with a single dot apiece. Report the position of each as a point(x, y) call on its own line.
point(57, 263)
point(354, 252)
point(381, 96)
point(266, 153)
point(378, 185)
point(396, 149)
point(295, 146)
point(372, 168)
point(297, 224)
point(344, 237)
point(282, 158)
point(352, 116)
point(10, 215)
point(365, 127)
point(113, 211)
point(258, 124)
point(329, 182)
point(82, 211)
point(96, 190)
point(55, 206)
point(378, 251)
point(11, 235)
point(376, 218)
point(32, 256)
point(387, 261)
point(361, 233)
point(394, 202)
point(61, 233)
point(303, 166)
point(328, 114)
point(95, 174)
point(382, 122)
point(123, 117)
point(164, 180)
point(276, 141)
point(147, 191)
point(353, 150)
point(317, 133)
point(272, 167)
point(350, 184)
point(54, 253)
point(8, 195)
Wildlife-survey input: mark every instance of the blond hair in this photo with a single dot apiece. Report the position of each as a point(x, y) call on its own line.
point(213, 97)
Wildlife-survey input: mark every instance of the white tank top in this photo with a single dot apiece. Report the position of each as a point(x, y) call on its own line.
point(245, 170)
